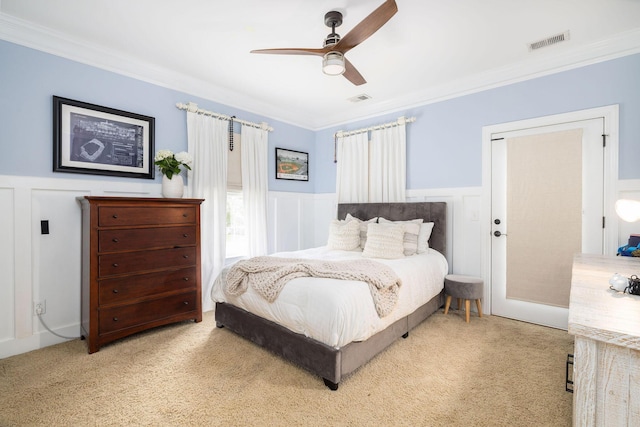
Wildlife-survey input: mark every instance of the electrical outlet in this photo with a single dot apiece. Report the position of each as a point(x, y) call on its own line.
point(40, 307)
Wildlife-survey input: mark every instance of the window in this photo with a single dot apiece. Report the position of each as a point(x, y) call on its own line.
point(236, 231)
point(237, 245)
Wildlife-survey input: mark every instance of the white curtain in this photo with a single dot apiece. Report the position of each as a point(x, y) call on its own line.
point(207, 142)
point(255, 187)
point(388, 164)
point(353, 168)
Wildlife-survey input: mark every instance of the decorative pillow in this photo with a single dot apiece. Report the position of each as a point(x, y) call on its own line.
point(344, 235)
point(363, 227)
point(384, 241)
point(425, 234)
point(411, 232)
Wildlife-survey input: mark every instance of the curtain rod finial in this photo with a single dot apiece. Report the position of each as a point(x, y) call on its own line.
point(192, 107)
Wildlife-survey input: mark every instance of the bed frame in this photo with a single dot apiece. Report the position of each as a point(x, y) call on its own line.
point(325, 361)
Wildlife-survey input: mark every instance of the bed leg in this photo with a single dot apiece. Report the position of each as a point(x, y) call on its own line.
point(219, 325)
point(405, 335)
point(333, 386)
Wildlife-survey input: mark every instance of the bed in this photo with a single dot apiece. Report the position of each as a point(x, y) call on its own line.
point(334, 353)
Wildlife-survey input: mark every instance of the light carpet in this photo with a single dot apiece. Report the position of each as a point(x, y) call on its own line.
point(490, 372)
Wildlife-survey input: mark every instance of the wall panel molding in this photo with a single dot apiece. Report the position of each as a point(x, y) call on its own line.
point(295, 221)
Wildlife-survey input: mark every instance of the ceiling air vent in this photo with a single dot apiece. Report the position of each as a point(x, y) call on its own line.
point(549, 41)
point(359, 98)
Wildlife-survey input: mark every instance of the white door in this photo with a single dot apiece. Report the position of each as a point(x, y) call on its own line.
point(547, 186)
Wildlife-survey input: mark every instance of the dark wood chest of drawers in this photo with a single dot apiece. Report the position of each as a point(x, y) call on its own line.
point(140, 265)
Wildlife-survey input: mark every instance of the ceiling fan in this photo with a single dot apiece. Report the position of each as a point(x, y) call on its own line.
point(334, 62)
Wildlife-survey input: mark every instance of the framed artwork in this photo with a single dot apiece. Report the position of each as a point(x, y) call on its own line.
point(292, 165)
point(96, 140)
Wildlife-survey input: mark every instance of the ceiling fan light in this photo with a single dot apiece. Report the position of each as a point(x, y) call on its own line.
point(333, 64)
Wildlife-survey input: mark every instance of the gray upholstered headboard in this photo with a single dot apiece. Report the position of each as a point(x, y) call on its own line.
point(435, 212)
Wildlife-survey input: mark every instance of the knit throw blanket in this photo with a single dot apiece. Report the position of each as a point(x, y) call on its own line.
point(268, 275)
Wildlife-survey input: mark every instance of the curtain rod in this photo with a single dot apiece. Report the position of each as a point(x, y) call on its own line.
point(400, 121)
point(193, 108)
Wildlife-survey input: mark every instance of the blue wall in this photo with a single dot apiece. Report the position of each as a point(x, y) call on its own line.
point(29, 79)
point(444, 144)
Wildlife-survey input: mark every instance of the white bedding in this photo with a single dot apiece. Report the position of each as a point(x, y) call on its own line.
point(337, 312)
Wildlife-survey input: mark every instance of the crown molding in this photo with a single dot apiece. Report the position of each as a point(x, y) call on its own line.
point(40, 38)
point(43, 39)
point(623, 44)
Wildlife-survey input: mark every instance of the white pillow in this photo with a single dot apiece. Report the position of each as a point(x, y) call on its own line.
point(344, 235)
point(411, 232)
point(363, 227)
point(423, 238)
point(384, 241)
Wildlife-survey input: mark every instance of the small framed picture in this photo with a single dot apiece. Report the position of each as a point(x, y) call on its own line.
point(91, 139)
point(292, 165)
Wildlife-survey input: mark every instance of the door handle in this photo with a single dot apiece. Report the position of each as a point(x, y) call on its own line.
point(498, 234)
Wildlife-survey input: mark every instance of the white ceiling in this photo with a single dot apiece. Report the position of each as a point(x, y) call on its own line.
point(430, 50)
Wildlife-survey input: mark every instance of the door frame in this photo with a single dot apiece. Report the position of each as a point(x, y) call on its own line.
point(610, 114)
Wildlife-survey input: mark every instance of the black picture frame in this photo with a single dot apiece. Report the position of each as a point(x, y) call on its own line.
point(292, 165)
point(97, 140)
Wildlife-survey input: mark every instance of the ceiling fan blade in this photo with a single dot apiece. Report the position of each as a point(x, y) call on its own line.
point(351, 74)
point(367, 26)
point(293, 51)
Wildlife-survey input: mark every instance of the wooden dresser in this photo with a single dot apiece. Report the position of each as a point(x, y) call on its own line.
point(606, 325)
point(140, 265)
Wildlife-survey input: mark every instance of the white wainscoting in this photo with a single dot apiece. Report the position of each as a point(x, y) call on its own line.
point(463, 225)
point(47, 267)
point(37, 267)
point(299, 220)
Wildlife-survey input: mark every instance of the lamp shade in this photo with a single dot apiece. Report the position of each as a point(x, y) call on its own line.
point(333, 64)
point(628, 210)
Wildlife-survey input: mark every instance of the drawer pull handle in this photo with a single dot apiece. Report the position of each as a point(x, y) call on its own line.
point(185, 235)
point(186, 279)
point(115, 216)
point(115, 319)
point(186, 303)
point(115, 264)
point(115, 240)
point(115, 291)
point(185, 256)
point(184, 215)
point(569, 373)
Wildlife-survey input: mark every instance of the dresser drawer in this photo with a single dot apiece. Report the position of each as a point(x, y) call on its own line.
point(146, 238)
point(131, 262)
point(112, 291)
point(116, 318)
point(109, 216)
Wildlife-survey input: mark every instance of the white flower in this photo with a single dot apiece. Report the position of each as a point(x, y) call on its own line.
point(184, 158)
point(169, 164)
point(163, 154)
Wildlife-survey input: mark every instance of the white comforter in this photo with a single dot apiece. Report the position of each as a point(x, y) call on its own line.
point(337, 312)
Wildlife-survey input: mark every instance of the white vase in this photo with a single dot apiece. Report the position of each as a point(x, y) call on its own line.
point(172, 188)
